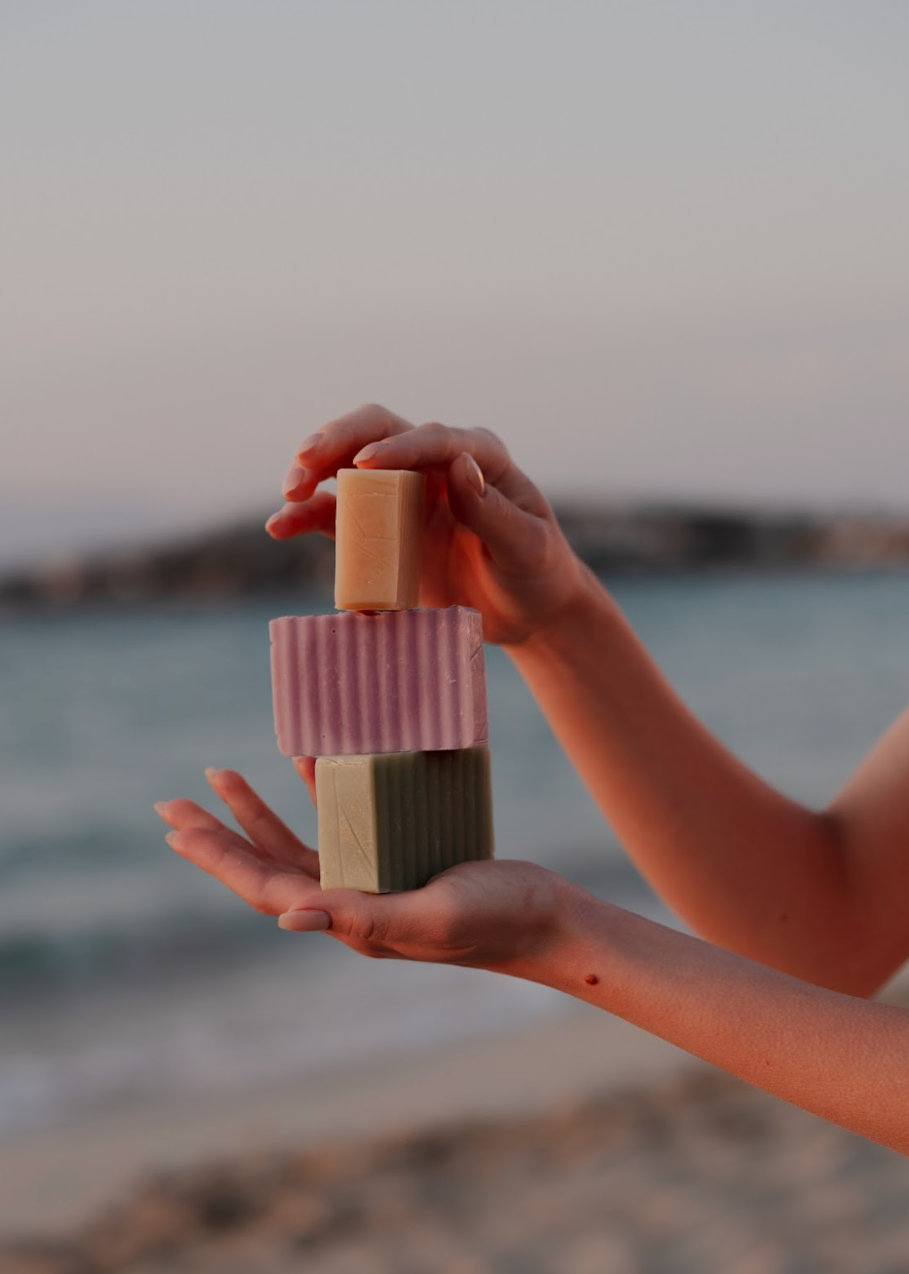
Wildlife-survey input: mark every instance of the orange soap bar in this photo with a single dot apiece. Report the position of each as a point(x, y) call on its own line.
point(378, 530)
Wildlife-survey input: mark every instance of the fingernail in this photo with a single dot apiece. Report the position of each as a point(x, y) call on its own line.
point(304, 921)
point(211, 773)
point(474, 474)
point(295, 477)
point(367, 453)
point(158, 807)
point(172, 838)
point(310, 444)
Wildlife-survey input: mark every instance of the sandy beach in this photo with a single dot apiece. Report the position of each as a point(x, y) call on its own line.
point(581, 1146)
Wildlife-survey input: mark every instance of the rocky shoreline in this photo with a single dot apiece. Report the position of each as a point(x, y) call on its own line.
point(698, 1174)
point(241, 561)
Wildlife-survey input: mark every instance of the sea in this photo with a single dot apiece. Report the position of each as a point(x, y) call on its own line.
point(126, 975)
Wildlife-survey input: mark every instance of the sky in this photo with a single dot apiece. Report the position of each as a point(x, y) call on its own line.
point(660, 246)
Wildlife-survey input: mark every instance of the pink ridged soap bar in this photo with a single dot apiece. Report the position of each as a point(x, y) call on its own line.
point(401, 681)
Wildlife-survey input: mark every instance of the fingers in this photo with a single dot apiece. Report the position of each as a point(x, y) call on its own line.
point(273, 841)
point(434, 445)
point(336, 444)
point(299, 483)
point(421, 924)
point(306, 768)
point(374, 438)
point(267, 832)
point(311, 920)
point(314, 514)
point(182, 815)
point(438, 446)
point(257, 881)
point(517, 540)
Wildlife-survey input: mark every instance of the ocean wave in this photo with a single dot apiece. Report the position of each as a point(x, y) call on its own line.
point(39, 852)
point(113, 954)
point(108, 951)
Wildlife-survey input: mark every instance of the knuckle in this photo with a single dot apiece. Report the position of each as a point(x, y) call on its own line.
point(373, 409)
point(495, 444)
point(340, 426)
point(435, 430)
point(364, 929)
point(490, 435)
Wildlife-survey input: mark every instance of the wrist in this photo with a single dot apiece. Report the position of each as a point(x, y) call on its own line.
point(576, 941)
point(587, 600)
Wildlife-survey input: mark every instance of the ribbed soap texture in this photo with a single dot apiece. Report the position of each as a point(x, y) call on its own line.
point(401, 681)
point(393, 821)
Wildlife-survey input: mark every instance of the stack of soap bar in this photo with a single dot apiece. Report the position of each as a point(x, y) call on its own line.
point(392, 705)
point(404, 681)
point(395, 820)
point(377, 539)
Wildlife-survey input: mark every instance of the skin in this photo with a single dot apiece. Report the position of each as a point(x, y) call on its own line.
point(804, 910)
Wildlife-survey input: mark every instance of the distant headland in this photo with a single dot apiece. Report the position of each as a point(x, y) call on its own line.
point(241, 561)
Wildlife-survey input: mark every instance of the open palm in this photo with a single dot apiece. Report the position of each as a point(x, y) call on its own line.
point(487, 914)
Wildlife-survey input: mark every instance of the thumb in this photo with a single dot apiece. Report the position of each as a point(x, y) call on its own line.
point(306, 768)
point(382, 919)
point(514, 537)
point(304, 920)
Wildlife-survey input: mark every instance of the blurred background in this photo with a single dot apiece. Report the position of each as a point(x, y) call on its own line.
point(659, 247)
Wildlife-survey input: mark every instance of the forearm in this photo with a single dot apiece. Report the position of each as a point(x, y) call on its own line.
point(835, 1055)
point(744, 865)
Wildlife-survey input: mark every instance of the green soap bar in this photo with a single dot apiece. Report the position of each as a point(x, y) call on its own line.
point(392, 820)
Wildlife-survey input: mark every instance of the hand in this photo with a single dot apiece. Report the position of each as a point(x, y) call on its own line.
point(485, 914)
point(491, 540)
